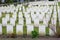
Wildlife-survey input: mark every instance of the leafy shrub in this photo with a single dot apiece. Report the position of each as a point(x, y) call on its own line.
point(0, 2)
point(34, 34)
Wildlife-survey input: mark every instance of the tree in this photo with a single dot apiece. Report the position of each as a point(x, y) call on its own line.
point(0, 1)
point(9, 1)
point(57, 33)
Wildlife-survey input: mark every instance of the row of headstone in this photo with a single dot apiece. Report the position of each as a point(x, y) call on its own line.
point(30, 28)
point(36, 17)
point(39, 18)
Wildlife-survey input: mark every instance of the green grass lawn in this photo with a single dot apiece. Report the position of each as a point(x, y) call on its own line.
point(47, 31)
point(24, 30)
point(24, 27)
point(3, 15)
point(59, 3)
point(1, 20)
point(36, 29)
point(10, 14)
point(14, 29)
point(4, 30)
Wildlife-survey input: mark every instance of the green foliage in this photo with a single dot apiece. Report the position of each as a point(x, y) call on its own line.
point(0, 1)
point(34, 34)
point(9, 1)
point(36, 29)
point(4, 30)
point(51, 0)
point(57, 25)
point(3, 14)
point(14, 29)
point(1, 20)
point(47, 31)
point(41, 22)
point(26, 0)
point(59, 3)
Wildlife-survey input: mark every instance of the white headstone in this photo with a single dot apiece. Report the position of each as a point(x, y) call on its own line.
point(20, 15)
point(40, 17)
point(0, 28)
point(36, 22)
point(28, 20)
point(7, 17)
point(42, 30)
point(9, 29)
point(12, 21)
point(19, 29)
point(51, 33)
point(20, 21)
point(0, 14)
point(30, 28)
point(4, 21)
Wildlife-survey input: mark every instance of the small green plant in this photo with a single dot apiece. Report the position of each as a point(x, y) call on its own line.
point(34, 34)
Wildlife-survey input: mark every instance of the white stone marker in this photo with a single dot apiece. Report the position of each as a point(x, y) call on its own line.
point(19, 29)
point(4, 21)
point(33, 15)
point(52, 29)
point(9, 29)
point(20, 15)
point(51, 33)
point(40, 17)
point(42, 30)
point(27, 15)
point(45, 22)
point(36, 22)
point(30, 28)
point(28, 21)
point(59, 15)
point(12, 21)
point(7, 17)
point(0, 28)
point(14, 16)
point(20, 21)
point(0, 14)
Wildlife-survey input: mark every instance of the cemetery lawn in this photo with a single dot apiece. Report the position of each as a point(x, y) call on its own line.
point(1, 20)
point(36, 29)
point(4, 30)
point(58, 3)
